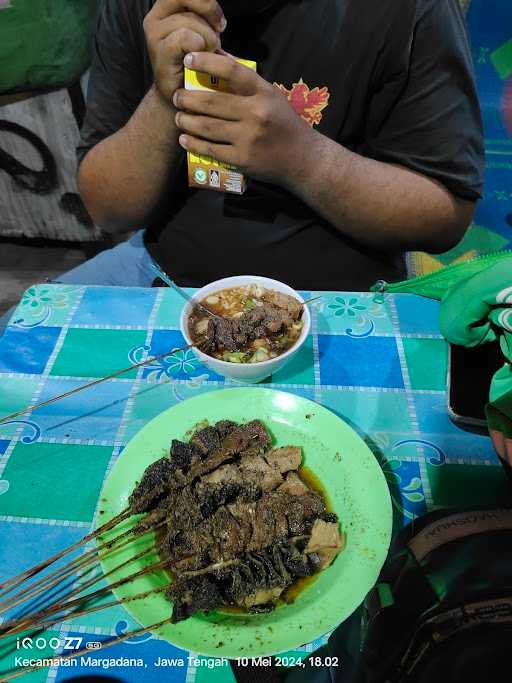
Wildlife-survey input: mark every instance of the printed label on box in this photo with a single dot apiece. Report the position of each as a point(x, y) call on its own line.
point(204, 171)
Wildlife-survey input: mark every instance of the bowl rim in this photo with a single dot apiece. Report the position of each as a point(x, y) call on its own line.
point(261, 364)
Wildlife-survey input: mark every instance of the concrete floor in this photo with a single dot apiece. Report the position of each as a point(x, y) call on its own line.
point(23, 263)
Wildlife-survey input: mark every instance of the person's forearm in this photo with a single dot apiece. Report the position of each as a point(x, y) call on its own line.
point(382, 205)
point(123, 179)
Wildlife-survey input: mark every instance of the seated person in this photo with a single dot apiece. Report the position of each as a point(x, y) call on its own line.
point(360, 134)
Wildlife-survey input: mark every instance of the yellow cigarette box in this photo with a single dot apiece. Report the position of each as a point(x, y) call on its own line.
point(204, 171)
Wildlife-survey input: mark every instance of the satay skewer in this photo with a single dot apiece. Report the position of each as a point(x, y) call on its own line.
point(32, 621)
point(88, 385)
point(88, 559)
point(9, 585)
point(135, 366)
point(89, 610)
point(83, 651)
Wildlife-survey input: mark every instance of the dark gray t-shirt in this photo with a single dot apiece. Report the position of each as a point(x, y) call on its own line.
point(389, 79)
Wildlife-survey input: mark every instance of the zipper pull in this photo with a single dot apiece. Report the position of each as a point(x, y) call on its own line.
point(380, 287)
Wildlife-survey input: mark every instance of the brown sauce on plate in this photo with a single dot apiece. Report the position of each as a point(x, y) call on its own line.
point(288, 597)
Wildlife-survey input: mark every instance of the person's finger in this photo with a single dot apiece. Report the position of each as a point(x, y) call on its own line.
point(223, 153)
point(220, 51)
point(205, 127)
point(498, 441)
point(508, 451)
point(208, 9)
point(238, 79)
point(192, 22)
point(215, 104)
point(179, 43)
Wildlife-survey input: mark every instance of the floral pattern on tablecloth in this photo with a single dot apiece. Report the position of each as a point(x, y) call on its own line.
point(379, 366)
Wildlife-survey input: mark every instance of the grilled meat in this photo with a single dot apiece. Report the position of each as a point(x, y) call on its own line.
point(325, 540)
point(254, 581)
point(190, 460)
point(235, 333)
point(153, 486)
point(240, 525)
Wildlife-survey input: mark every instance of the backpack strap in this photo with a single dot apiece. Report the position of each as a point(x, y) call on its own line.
point(456, 526)
point(392, 610)
point(438, 628)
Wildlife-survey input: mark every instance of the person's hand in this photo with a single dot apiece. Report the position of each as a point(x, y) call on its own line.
point(174, 28)
point(252, 126)
point(502, 445)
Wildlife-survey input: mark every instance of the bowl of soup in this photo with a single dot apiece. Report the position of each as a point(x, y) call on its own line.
point(258, 326)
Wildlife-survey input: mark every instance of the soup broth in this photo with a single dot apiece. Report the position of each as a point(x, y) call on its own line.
point(254, 324)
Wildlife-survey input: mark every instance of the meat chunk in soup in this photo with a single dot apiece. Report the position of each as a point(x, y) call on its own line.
point(251, 324)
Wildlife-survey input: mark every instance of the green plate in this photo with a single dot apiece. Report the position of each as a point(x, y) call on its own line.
point(356, 489)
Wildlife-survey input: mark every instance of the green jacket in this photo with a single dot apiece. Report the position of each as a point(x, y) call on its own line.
point(476, 308)
point(479, 310)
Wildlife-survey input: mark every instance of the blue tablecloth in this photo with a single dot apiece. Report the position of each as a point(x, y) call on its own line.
point(381, 367)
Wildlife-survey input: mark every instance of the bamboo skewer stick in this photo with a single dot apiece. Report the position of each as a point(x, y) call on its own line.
point(95, 382)
point(12, 583)
point(79, 653)
point(111, 544)
point(89, 558)
point(46, 597)
point(32, 620)
point(89, 561)
point(89, 610)
point(310, 301)
point(48, 582)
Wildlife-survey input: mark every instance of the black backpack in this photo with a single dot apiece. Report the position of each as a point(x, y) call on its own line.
point(441, 611)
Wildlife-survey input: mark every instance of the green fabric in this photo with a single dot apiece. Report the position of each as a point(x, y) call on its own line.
point(44, 43)
point(435, 285)
point(479, 310)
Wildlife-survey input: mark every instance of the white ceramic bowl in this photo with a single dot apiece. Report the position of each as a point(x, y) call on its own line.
point(246, 372)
